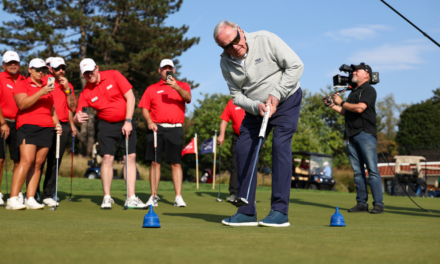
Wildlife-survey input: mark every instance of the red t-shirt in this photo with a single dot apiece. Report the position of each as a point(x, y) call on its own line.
point(61, 100)
point(235, 113)
point(7, 102)
point(107, 96)
point(164, 103)
point(40, 113)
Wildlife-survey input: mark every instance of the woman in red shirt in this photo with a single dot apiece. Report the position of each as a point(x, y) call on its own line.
point(36, 120)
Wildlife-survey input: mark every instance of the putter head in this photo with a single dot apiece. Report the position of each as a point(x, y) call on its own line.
point(125, 207)
point(219, 200)
point(53, 208)
point(70, 199)
point(241, 201)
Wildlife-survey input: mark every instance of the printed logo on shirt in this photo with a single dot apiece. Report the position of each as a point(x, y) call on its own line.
point(161, 91)
point(259, 60)
point(33, 85)
point(9, 86)
point(94, 99)
point(238, 108)
point(109, 87)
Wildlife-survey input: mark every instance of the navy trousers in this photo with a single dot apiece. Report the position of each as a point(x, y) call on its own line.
point(284, 123)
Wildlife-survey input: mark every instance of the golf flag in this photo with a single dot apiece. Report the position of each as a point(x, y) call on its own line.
point(191, 148)
point(208, 146)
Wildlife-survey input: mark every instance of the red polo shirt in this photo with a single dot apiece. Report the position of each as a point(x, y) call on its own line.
point(7, 102)
point(164, 103)
point(235, 113)
point(40, 113)
point(61, 100)
point(107, 96)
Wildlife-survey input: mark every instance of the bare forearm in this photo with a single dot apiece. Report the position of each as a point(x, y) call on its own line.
point(223, 126)
point(24, 101)
point(355, 108)
point(55, 119)
point(2, 118)
point(131, 101)
point(72, 103)
point(338, 109)
point(186, 96)
point(146, 115)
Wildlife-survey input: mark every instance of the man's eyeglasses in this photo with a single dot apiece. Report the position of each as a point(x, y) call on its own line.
point(234, 42)
point(61, 67)
point(42, 69)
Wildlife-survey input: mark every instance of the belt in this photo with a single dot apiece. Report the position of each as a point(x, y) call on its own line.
point(169, 125)
point(10, 120)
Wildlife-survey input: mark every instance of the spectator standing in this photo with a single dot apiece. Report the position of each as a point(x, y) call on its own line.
point(163, 107)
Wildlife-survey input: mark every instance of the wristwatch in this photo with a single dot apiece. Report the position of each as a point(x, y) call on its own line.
point(342, 104)
point(128, 120)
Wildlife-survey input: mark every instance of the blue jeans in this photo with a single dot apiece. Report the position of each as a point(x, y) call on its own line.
point(362, 150)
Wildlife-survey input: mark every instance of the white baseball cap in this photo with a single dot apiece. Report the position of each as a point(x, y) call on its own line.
point(10, 56)
point(37, 63)
point(166, 62)
point(57, 61)
point(87, 65)
point(48, 60)
point(325, 163)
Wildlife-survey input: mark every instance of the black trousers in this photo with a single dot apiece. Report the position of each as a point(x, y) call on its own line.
point(233, 182)
point(51, 173)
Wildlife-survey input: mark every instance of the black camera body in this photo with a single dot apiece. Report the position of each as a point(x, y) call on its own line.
point(340, 80)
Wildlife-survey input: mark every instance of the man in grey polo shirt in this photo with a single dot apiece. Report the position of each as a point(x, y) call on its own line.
point(262, 70)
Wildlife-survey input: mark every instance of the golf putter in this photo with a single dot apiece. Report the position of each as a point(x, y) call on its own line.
point(155, 197)
point(57, 155)
point(71, 167)
point(126, 170)
point(6, 167)
point(241, 201)
point(219, 175)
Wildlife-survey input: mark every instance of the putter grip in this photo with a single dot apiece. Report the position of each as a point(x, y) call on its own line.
point(73, 143)
point(264, 123)
point(155, 139)
point(58, 146)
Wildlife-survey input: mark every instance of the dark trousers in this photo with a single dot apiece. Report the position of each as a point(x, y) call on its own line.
point(50, 179)
point(284, 123)
point(233, 183)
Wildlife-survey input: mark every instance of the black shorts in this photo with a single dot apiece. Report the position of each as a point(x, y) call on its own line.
point(110, 135)
point(168, 139)
point(35, 135)
point(11, 141)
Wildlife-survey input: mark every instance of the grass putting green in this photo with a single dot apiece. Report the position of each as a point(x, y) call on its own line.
point(80, 232)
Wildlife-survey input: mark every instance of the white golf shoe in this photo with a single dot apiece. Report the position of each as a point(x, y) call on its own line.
point(2, 203)
point(32, 204)
point(135, 203)
point(153, 201)
point(107, 202)
point(21, 198)
point(179, 202)
point(14, 203)
point(50, 202)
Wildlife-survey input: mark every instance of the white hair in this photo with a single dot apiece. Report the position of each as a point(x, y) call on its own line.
point(221, 25)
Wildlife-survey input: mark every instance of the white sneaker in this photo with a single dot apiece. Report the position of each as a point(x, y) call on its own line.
point(2, 203)
point(135, 203)
point(153, 201)
point(107, 202)
point(32, 204)
point(179, 202)
point(14, 203)
point(21, 198)
point(50, 202)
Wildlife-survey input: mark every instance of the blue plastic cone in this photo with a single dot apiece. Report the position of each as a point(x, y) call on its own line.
point(337, 219)
point(151, 220)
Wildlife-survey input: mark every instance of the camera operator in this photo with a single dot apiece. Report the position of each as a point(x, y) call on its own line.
point(361, 137)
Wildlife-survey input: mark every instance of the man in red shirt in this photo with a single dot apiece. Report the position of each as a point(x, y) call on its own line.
point(8, 110)
point(65, 104)
point(163, 106)
point(110, 94)
point(237, 114)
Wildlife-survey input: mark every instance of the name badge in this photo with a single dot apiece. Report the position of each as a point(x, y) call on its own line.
point(238, 108)
point(109, 87)
point(33, 85)
point(94, 99)
point(10, 86)
point(160, 91)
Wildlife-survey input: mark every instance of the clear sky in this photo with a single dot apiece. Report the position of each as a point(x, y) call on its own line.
point(325, 34)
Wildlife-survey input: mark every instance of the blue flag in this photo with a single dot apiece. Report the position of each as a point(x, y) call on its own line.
point(207, 146)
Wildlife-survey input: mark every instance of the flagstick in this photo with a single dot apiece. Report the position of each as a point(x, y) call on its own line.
point(215, 157)
point(197, 161)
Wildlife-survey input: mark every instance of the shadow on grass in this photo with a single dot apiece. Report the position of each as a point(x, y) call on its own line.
point(97, 199)
point(213, 194)
point(302, 202)
point(207, 217)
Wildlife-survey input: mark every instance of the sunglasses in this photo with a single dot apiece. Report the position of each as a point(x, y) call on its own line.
point(234, 42)
point(43, 69)
point(61, 67)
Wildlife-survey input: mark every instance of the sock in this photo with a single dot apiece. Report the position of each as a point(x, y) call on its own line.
point(107, 196)
point(133, 196)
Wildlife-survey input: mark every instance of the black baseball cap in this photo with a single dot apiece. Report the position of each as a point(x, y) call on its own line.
point(362, 66)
